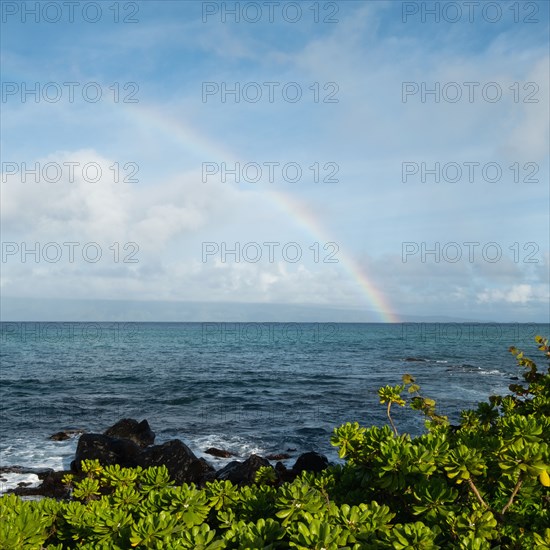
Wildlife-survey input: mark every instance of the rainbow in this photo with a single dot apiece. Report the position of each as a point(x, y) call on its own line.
point(200, 145)
point(310, 222)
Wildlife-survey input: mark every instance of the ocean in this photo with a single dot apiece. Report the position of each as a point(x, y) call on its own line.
point(244, 387)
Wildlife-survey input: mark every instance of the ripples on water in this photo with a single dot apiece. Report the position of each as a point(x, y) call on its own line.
point(248, 387)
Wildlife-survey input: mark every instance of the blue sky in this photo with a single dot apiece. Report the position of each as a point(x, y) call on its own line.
point(375, 142)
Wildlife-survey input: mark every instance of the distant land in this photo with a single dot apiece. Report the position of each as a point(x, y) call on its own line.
point(44, 309)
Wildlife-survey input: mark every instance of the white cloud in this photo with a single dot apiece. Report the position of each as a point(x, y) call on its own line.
point(517, 294)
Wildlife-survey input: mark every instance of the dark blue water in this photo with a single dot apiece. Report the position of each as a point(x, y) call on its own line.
point(254, 387)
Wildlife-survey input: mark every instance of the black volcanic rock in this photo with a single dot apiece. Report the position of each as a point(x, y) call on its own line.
point(278, 456)
point(129, 428)
point(284, 474)
point(64, 435)
point(311, 462)
point(120, 444)
point(52, 486)
point(220, 453)
point(108, 450)
point(242, 473)
point(182, 463)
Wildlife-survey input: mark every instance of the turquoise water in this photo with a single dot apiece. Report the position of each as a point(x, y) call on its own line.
point(246, 387)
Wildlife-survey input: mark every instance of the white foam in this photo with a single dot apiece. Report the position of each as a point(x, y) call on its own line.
point(13, 480)
point(239, 446)
point(37, 453)
point(494, 371)
point(242, 448)
point(34, 453)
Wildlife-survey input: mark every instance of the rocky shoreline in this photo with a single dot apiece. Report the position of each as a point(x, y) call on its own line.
point(130, 444)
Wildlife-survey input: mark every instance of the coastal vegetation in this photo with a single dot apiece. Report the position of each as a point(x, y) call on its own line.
point(481, 484)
